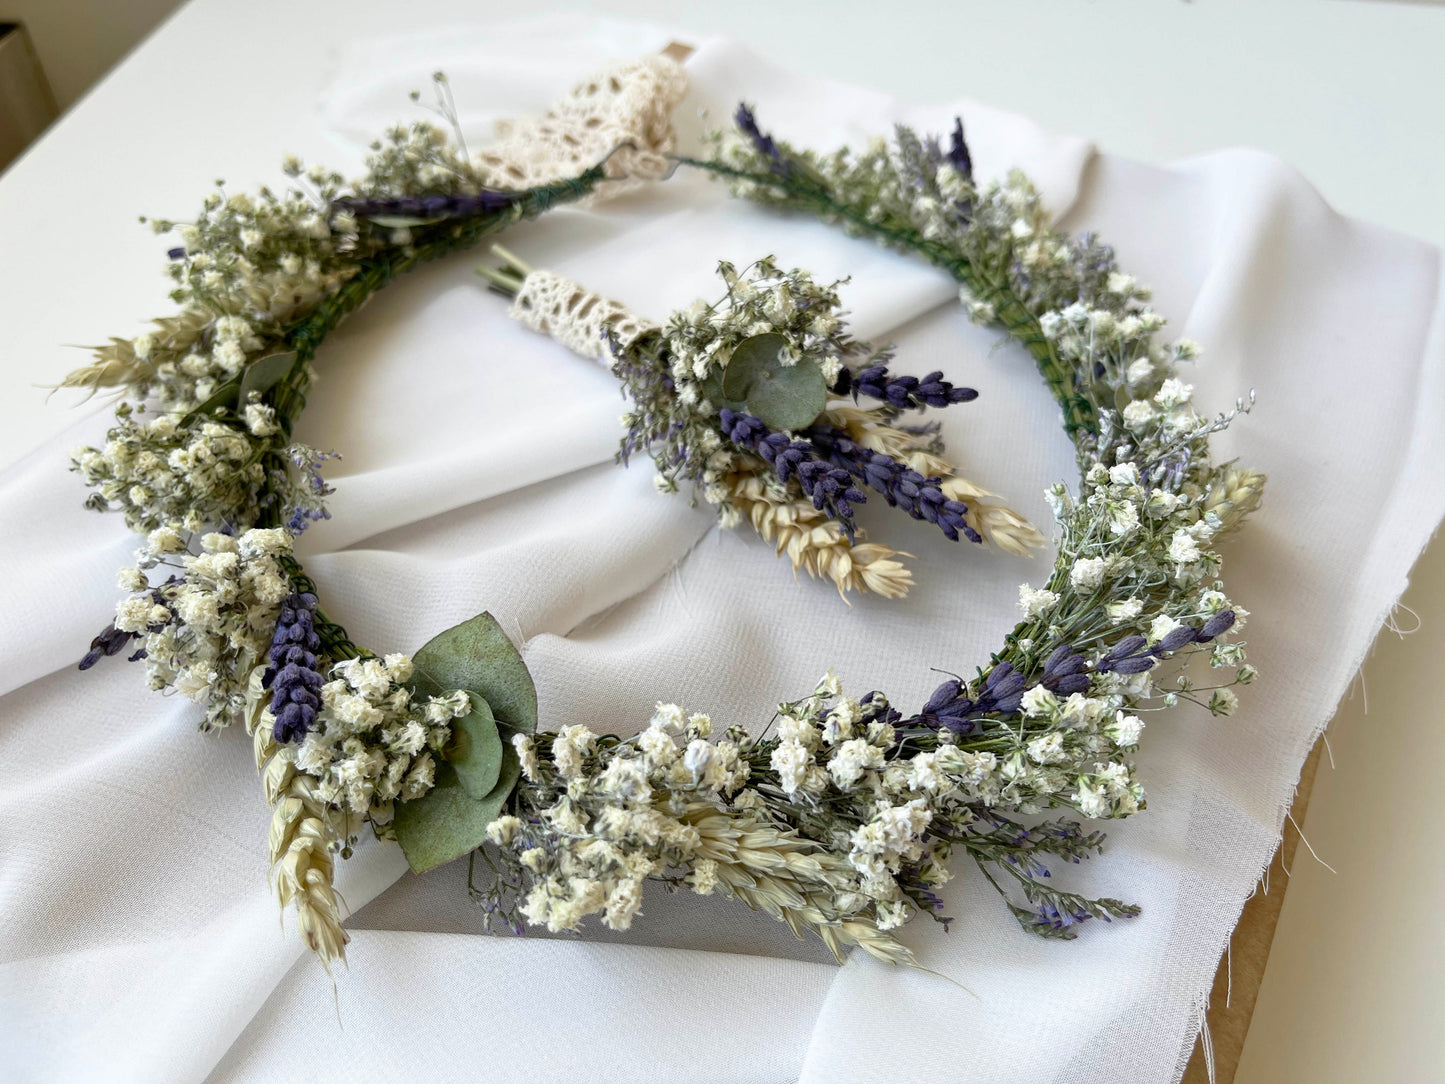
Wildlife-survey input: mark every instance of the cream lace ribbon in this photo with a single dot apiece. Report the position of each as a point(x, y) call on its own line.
point(625, 108)
point(577, 318)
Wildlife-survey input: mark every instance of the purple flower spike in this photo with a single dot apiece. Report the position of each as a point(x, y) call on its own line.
point(1217, 625)
point(922, 498)
point(111, 641)
point(1179, 638)
point(951, 707)
point(958, 150)
point(461, 206)
point(1065, 672)
point(829, 487)
point(764, 143)
point(293, 677)
point(903, 392)
point(1130, 655)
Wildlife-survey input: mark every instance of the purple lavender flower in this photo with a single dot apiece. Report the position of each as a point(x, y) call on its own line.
point(111, 641)
point(829, 487)
point(765, 145)
point(439, 206)
point(901, 486)
point(1217, 625)
point(958, 150)
point(1129, 656)
point(293, 677)
point(951, 707)
point(309, 496)
point(1065, 672)
point(902, 391)
point(1048, 916)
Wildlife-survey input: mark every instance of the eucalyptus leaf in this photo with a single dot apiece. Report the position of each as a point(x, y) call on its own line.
point(712, 388)
point(263, 374)
point(751, 358)
point(446, 822)
point(475, 751)
point(781, 396)
point(476, 655)
point(790, 398)
point(224, 396)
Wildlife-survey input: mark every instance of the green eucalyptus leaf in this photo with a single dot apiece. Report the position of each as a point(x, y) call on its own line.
point(475, 751)
point(446, 822)
point(781, 396)
point(712, 388)
point(749, 360)
point(791, 398)
point(476, 655)
point(224, 396)
point(263, 374)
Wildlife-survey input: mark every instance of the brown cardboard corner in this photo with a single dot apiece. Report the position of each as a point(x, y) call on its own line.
point(1249, 950)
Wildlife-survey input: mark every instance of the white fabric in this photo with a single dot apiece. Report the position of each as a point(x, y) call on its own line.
point(138, 938)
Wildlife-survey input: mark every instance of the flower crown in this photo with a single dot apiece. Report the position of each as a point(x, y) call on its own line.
point(842, 820)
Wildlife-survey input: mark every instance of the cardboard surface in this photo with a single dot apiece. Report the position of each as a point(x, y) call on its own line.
point(1236, 983)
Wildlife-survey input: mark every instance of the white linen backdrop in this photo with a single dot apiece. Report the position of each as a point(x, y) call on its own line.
point(138, 937)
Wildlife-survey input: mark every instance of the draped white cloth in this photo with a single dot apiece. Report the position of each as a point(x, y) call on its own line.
point(138, 937)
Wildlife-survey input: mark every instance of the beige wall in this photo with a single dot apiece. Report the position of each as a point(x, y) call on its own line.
point(78, 41)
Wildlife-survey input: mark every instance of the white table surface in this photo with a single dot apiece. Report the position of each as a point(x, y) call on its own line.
point(1347, 91)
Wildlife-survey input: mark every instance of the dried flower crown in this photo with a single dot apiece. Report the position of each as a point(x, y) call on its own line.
point(842, 821)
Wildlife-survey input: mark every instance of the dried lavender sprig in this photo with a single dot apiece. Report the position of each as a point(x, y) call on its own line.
point(901, 486)
point(958, 150)
point(293, 676)
point(997, 841)
point(902, 391)
point(110, 641)
point(952, 708)
point(1065, 672)
point(1132, 655)
point(830, 488)
point(429, 207)
point(748, 125)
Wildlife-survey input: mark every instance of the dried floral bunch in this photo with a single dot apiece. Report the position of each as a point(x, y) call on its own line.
point(841, 824)
point(763, 404)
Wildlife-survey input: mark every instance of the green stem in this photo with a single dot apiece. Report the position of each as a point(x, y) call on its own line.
point(306, 336)
point(443, 239)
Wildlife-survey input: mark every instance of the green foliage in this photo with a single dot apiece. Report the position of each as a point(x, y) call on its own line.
point(782, 396)
point(446, 822)
point(265, 373)
point(477, 656)
point(481, 770)
point(475, 751)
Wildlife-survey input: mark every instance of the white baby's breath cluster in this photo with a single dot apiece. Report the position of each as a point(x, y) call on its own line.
point(592, 830)
point(849, 810)
point(205, 629)
point(760, 299)
point(375, 740)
